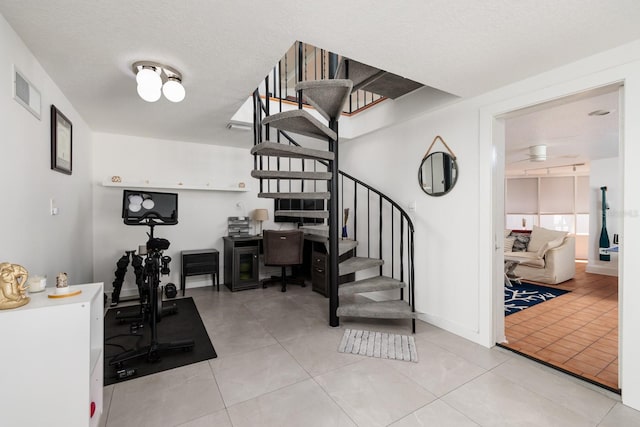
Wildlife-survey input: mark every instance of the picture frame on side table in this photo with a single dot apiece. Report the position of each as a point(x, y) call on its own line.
point(61, 142)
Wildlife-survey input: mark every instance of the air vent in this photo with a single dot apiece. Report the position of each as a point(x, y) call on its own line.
point(25, 93)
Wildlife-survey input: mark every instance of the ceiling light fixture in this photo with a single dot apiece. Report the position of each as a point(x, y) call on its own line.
point(155, 79)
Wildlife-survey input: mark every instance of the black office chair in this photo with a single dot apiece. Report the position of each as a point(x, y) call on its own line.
point(283, 248)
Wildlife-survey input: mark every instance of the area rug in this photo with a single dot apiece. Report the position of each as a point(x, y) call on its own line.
point(184, 325)
point(379, 344)
point(519, 297)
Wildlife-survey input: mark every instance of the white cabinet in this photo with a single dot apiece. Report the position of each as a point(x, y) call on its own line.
point(51, 360)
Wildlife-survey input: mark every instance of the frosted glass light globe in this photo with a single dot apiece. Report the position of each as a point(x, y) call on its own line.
point(149, 93)
point(173, 90)
point(149, 77)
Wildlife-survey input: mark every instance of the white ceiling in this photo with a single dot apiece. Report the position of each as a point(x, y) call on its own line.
point(571, 135)
point(224, 49)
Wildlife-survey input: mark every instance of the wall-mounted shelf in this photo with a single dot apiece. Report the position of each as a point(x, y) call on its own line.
point(171, 186)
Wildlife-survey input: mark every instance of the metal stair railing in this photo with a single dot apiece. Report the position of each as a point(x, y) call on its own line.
point(390, 238)
point(393, 241)
point(304, 62)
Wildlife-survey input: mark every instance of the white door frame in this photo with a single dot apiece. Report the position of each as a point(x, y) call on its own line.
point(491, 169)
point(499, 145)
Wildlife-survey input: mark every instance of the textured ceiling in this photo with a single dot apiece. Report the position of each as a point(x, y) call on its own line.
point(224, 49)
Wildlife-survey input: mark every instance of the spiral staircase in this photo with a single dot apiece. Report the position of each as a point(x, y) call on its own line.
point(279, 180)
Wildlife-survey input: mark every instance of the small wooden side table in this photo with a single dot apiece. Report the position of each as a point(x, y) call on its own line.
point(198, 262)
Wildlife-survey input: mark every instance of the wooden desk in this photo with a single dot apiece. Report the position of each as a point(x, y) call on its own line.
point(198, 262)
point(241, 263)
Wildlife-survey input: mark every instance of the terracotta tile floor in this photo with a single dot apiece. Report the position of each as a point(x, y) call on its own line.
point(576, 332)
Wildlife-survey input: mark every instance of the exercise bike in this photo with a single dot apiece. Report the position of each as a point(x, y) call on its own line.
point(151, 209)
point(142, 268)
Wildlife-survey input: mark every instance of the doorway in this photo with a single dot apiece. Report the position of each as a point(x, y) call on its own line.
point(563, 154)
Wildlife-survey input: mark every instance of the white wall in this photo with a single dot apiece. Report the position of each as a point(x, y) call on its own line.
point(202, 214)
point(456, 280)
point(604, 172)
point(43, 244)
point(446, 227)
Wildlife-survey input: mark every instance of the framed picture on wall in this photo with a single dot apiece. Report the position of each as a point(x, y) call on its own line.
point(61, 142)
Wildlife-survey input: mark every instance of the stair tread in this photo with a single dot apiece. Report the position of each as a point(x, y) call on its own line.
point(358, 264)
point(371, 284)
point(303, 213)
point(313, 236)
point(358, 72)
point(374, 80)
point(397, 309)
point(316, 230)
point(308, 195)
point(268, 174)
point(276, 149)
point(300, 122)
point(345, 245)
point(327, 96)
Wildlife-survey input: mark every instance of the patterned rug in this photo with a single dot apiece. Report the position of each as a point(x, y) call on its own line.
point(520, 297)
point(379, 344)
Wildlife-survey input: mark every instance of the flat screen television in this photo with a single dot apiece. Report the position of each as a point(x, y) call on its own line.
point(148, 207)
point(297, 205)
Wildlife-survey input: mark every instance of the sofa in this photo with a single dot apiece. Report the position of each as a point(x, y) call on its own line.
point(544, 256)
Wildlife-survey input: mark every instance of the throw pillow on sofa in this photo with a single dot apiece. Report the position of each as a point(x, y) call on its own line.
point(508, 243)
point(550, 245)
point(521, 242)
point(540, 236)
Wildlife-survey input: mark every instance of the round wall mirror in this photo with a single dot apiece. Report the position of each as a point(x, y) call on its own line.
point(438, 173)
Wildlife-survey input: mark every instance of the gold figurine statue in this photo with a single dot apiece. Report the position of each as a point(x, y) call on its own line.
point(13, 279)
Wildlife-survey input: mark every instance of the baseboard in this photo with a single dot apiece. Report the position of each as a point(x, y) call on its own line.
point(602, 269)
point(455, 328)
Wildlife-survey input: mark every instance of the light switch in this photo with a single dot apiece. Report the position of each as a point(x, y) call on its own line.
point(412, 206)
point(53, 209)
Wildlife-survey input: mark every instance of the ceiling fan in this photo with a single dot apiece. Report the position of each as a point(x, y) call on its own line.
point(538, 153)
point(535, 153)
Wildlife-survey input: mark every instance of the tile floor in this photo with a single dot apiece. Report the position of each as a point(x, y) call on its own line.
point(278, 365)
point(577, 331)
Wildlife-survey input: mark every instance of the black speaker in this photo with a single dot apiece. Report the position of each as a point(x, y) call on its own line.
point(170, 290)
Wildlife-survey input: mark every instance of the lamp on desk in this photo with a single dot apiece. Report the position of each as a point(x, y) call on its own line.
point(260, 215)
